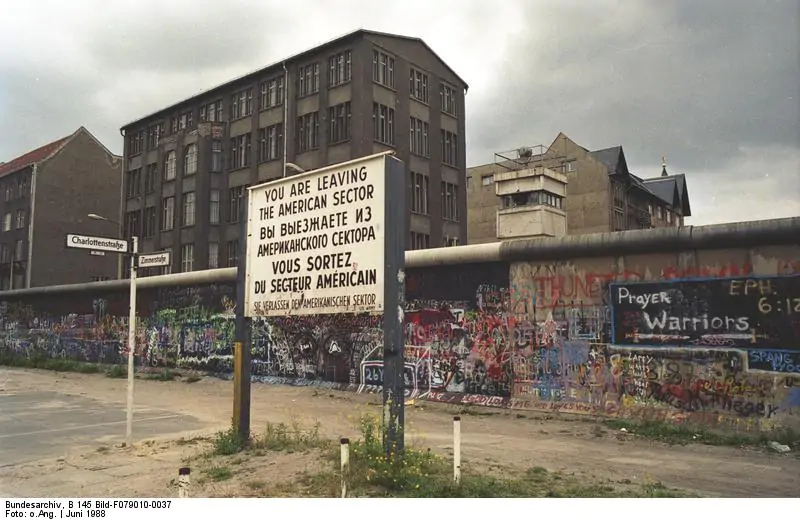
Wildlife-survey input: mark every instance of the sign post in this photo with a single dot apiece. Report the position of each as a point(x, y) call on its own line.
point(332, 241)
point(115, 245)
point(131, 342)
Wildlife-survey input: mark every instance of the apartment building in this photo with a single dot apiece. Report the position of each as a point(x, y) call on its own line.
point(188, 164)
point(602, 194)
point(48, 193)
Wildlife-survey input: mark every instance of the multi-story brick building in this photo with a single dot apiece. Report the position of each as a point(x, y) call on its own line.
point(48, 193)
point(603, 195)
point(188, 164)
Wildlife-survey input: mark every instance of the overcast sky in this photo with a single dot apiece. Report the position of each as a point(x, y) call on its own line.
point(713, 85)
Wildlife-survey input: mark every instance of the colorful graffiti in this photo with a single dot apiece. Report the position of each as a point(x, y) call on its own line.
point(552, 338)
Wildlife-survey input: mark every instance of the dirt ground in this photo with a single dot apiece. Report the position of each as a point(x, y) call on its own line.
point(512, 439)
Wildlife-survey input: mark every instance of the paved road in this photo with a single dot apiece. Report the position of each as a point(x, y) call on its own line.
point(36, 425)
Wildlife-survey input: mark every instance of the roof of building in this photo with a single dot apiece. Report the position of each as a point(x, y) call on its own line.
point(32, 157)
point(363, 32)
point(667, 187)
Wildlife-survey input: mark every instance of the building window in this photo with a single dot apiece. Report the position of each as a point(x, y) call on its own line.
point(419, 193)
point(449, 242)
point(619, 220)
point(487, 180)
point(211, 112)
point(136, 143)
point(190, 160)
point(233, 253)
point(213, 207)
point(383, 124)
point(5, 254)
point(240, 151)
point(187, 257)
point(449, 148)
point(168, 214)
point(449, 201)
point(216, 156)
point(339, 119)
point(420, 240)
point(154, 134)
point(270, 143)
point(7, 222)
point(132, 224)
point(420, 144)
point(167, 269)
point(149, 222)
point(19, 249)
point(383, 69)
point(448, 99)
point(242, 104)
point(20, 218)
point(669, 216)
point(308, 132)
point(133, 183)
point(213, 255)
point(9, 192)
point(419, 86)
point(533, 198)
point(187, 215)
point(272, 92)
point(150, 178)
point(308, 80)
point(340, 67)
point(22, 188)
point(186, 120)
point(235, 196)
point(169, 166)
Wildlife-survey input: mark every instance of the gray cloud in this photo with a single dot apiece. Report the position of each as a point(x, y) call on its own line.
point(713, 85)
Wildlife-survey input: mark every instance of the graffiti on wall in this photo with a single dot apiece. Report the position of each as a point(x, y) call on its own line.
point(716, 345)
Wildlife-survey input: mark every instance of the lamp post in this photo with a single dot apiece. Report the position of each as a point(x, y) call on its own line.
point(134, 254)
point(292, 166)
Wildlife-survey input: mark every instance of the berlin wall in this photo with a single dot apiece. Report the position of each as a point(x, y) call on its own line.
point(696, 325)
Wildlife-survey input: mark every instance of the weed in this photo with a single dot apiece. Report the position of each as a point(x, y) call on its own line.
point(227, 443)
point(56, 364)
point(103, 449)
point(218, 473)
point(192, 379)
point(117, 371)
point(280, 437)
point(420, 473)
point(683, 434)
point(165, 375)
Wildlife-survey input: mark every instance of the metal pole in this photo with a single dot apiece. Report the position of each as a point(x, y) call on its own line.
point(241, 354)
point(457, 449)
point(393, 318)
point(131, 339)
point(345, 459)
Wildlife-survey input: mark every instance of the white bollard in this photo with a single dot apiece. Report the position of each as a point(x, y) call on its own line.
point(457, 449)
point(345, 465)
point(183, 482)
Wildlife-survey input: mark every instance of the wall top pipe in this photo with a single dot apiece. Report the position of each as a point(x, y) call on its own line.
point(774, 232)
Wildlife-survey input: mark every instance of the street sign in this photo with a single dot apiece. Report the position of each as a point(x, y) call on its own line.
point(97, 253)
point(154, 259)
point(113, 245)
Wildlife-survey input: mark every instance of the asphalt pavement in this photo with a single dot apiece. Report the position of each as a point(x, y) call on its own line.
point(37, 425)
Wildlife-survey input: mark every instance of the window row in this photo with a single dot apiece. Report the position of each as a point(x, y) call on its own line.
point(16, 190)
point(533, 198)
point(18, 252)
point(420, 195)
point(143, 222)
point(19, 221)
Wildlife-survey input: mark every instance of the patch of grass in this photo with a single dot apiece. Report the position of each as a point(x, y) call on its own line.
point(218, 473)
point(117, 372)
point(684, 434)
point(418, 473)
point(227, 443)
point(56, 364)
point(280, 437)
point(165, 375)
point(103, 449)
point(192, 379)
point(474, 411)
